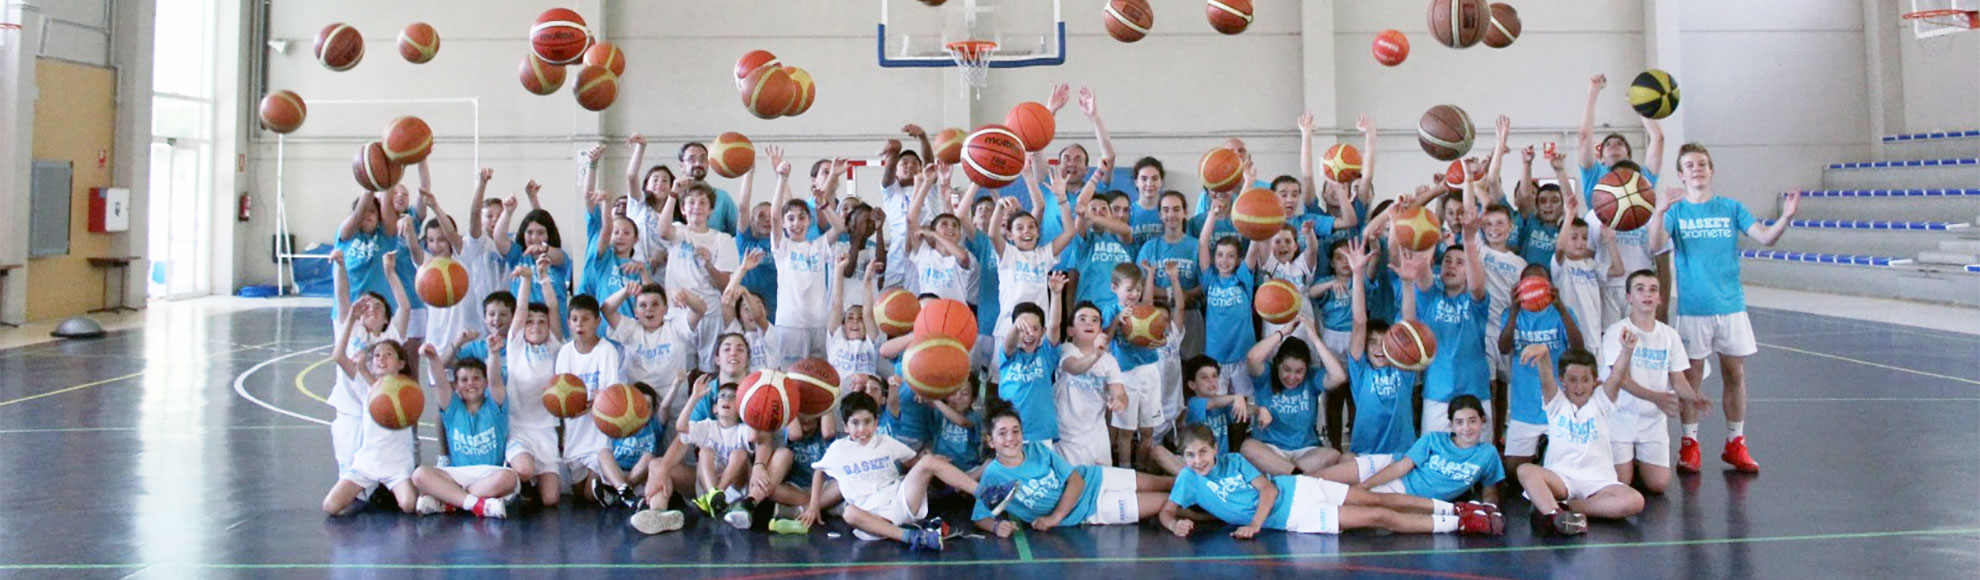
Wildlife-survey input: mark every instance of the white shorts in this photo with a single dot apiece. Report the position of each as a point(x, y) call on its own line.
point(1291, 455)
point(1316, 506)
point(369, 481)
point(1192, 343)
point(1337, 341)
point(893, 507)
point(415, 324)
point(1634, 437)
point(1237, 379)
point(1437, 416)
point(790, 344)
point(1144, 399)
point(1500, 363)
point(984, 355)
point(539, 443)
point(1580, 488)
point(1093, 451)
point(580, 466)
point(1726, 334)
point(344, 437)
point(1117, 502)
point(467, 476)
point(1523, 439)
point(1374, 463)
point(707, 335)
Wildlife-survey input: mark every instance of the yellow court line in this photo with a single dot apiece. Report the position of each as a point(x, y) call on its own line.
point(74, 388)
point(302, 385)
point(1868, 363)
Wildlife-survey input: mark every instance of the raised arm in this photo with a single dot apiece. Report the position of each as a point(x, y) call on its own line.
point(635, 178)
point(1585, 140)
point(1768, 233)
point(1307, 184)
point(1261, 353)
point(500, 235)
point(475, 203)
point(1653, 155)
point(446, 224)
point(783, 195)
point(1091, 106)
point(1665, 201)
point(1365, 188)
point(1056, 286)
point(403, 313)
point(1358, 260)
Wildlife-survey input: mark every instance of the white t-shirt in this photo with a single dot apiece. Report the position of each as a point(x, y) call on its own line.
point(686, 270)
point(869, 475)
point(529, 368)
point(759, 347)
point(941, 274)
point(488, 273)
point(856, 285)
point(444, 325)
point(1171, 364)
point(709, 434)
point(1633, 246)
point(897, 198)
point(1022, 276)
point(383, 452)
point(348, 395)
point(1578, 437)
point(1501, 270)
point(656, 357)
point(647, 221)
point(851, 357)
point(1082, 398)
point(598, 369)
point(804, 274)
point(1580, 284)
point(1659, 352)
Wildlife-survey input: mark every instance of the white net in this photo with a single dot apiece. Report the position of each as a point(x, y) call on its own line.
point(973, 64)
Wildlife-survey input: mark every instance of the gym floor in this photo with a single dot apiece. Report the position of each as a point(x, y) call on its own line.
point(195, 445)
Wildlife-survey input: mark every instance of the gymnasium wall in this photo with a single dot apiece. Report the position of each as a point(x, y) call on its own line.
point(1938, 77)
point(74, 128)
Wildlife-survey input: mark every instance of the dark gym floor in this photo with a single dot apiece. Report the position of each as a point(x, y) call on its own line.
point(199, 449)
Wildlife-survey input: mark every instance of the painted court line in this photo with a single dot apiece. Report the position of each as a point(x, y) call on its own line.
point(240, 386)
point(70, 389)
point(1872, 364)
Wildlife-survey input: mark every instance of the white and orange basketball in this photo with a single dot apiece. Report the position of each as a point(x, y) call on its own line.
point(1033, 124)
point(1416, 229)
point(1129, 20)
point(1341, 163)
point(732, 155)
point(751, 62)
point(1624, 200)
point(1147, 326)
point(1277, 301)
point(948, 145)
point(935, 367)
point(559, 36)
point(339, 47)
point(408, 140)
point(945, 318)
point(763, 402)
point(621, 411)
point(441, 282)
point(807, 91)
point(396, 401)
point(895, 311)
point(1229, 16)
point(375, 171)
point(283, 111)
point(814, 384)
point(1410, 345)
point(418, 43)
point(596, 88)
point(993, 156)
point(769, 92)
point(540, 77)
point(566, 397)
point(1221, 169)
point(1258, 215)
point(607, 55)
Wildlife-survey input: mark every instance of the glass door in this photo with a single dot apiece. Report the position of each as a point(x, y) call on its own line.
point(179, 216)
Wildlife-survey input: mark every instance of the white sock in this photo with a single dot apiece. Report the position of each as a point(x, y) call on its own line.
point(731, 494)
point(471, 503)
point(1735, 429)
point(1691, 431)
point(1443, 524)
point(1440, 507)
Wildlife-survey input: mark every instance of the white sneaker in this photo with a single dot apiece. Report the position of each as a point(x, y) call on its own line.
point(652, 522)
point(428, 505)
point(493, 508)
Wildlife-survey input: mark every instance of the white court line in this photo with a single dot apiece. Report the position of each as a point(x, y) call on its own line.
point(1869, 400)
point(240, 386)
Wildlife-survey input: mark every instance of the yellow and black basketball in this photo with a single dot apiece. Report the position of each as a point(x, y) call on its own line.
point(1654, 94)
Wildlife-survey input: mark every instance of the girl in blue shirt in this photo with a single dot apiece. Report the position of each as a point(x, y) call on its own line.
point(1227, 289)
point(1286, 437)
point(1436, 470)
point(1382, 392)
point(1035, 484)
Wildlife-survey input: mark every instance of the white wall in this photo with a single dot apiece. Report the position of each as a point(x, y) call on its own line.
point(1938, 76)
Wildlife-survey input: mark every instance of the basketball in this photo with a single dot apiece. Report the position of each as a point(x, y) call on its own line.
point(1390, 47)
point(1459, 23)
point(396, 401)
point(541, 77)
point(408, 140)
point(935, 367)
point(283, 111)
point(1341, 163)
point(1276, 301)
point(896, 311)
point(1454, 174)
point(945, 318)
point(769, 92)
point(418, 43)
point(763, 402)
point(559, 36)
point(621, 411)
point(565, 397)
point(1624, 200)
point(339, 47)
point(948, 145)
point(1534, 293)
point(1033, 125)
point(1504, 26)
point(1416, 229)
point(375, 171)
point(1410, 345)
point(751, 62)
point(814, 384)
point(1229, 16)
point(731, 155)
point(596, 88)
point(1147, 326)
point(807, 91)
point(1654, 94)
point(993, 156)
point(1445, 132)
point(1258, 215)
point(442, 282)
point(1129, 20)
point(607, 55)
point(1220, 169)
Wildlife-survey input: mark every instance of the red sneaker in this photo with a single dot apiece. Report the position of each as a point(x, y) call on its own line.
point(1481, 523)
point(1689, 457)
point(1736, 456)
point(1465, 507)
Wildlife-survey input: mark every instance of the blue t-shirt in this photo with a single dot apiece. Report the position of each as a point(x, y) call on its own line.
point(604, 271)
point(1537, 240)
point(408, 277)
point(1041, 480)
point(1543, 327)
point(1223, 229)
point(804, 452)
point(1458, 322)
point(1146, 224)
point(626, 451)
point(987, 305)
point(1218, 420)
point(1445, 471)
point(1336, 306)
point(1049, 226)
point(1129, 356)
point(723, 216)
point(963, 446)
point(1384, 415)
point(1159, 253)
point(1228, 494)
point(763, 280)
point(1025, 380)
point(1705, 237)
point(1094, 255)
point(480, 437)
point(364, 264)
point(1295, 411)
point(1323, 228)
point(1227, 314)
point(916, 421)
point(560, 276)
point(476, 349)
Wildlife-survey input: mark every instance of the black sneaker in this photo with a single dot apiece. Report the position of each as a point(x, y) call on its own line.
point(604, 493)
point(760, 514)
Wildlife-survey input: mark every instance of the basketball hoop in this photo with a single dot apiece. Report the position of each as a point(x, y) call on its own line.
point(1943, 21)
point(973, 57)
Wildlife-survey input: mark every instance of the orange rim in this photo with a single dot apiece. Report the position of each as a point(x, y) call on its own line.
point(972, 49)
point(1967, 18)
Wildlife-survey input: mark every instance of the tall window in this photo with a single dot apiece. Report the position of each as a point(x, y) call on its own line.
point(182, 149)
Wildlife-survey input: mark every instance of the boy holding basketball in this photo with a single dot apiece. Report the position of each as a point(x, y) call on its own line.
point(598, 364)
point(1551, 325)
point(722, 460)
point(1382, 393)
point(1453, 304)
point(655, 346)
point(1140, 372)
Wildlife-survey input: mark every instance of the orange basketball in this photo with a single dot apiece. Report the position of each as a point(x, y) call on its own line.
point(807, 91)
point(1221, 169)
point(1445, 132)
point(751, 62)
point(418, 43)
point(1033, 125)
point(1454, 174)
point(1410, 345)
point(596, 88)
point(541, 77)
point(1147, 326)
point(732, 155)
point(814, 384)
point(283, 111)
point(945, 318)
point(1534, 293)
point(566, 397)
point(396, 401)
point(408, 140)
point(375, 171)
point(1416, 229)
point(559, 36)
point(1624, 200)
point(621, 411)
point(1129, 20)
point(1229, 16)
point(935, 367)
point(769, 92)
point(948, 145)
point(1390, 47)
point(339, 47)
point(1459, 23)
point(1341, 163)
point(763, 402)
point(1276, 301)
point(1258, 215)
point(442, 282)
point(1503, 28)
point(993, 156)
point(896, 311)
point(607, 55)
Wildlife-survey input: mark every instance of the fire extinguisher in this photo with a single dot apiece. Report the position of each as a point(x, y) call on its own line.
point(246, 207)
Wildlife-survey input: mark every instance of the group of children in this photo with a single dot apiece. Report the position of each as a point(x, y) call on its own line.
point(1066, 420)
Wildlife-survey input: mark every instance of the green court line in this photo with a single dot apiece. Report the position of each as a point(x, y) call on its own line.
point(1023, 545)
point(999, 562)
point(202, 429)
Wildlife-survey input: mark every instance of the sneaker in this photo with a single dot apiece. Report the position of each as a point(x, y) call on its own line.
point(634, 501)
point(652, 522)
point(492, 508)
point(1568, 523)
point(997, 496)
point(788, 526)
point(922, 540)
point(711, 504)
point(1481, 523)
point(1689, 457)
point(606, 495)
point(935, 524)
point(737, 516)
point(1736, 456)
point(1465, 507)
point(428, 505)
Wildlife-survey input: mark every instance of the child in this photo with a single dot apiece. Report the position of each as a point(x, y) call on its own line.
point(1579, 478)
point(609, 263)
point(530, 360)
point(784, 484)
point(441, 239)
point(498, 309)
point(1206, 407)
point(1102, 243)
point(942, 267)
point(655, 346)
point(853, 345)
point(1286, 437)
point(1452, 464)
point(474, 414)
point(722, 462)
point(1031, 362)
point(1024, 267)
point(375, 321)
point(1382, 392)
point(1146, 216)
point(1035, 484)
point(699, 259)
point(1454, 307)
point(1502, 266)
point(596, 363)
point(382, 456)
point(1172, 247)
point(977, 225)
point(803, 274)
point(1330, 292)
point(1552, 326)
point(1227, 312)
point(537, 240)
point(1579, 276)
point(1654, 385)
point(1089, 385)
point(747, 314)
point(1139, 371)
point(1282, 258)
point(365, 236)
point(1168, 357)
point(958, 438)
point(880, 499)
